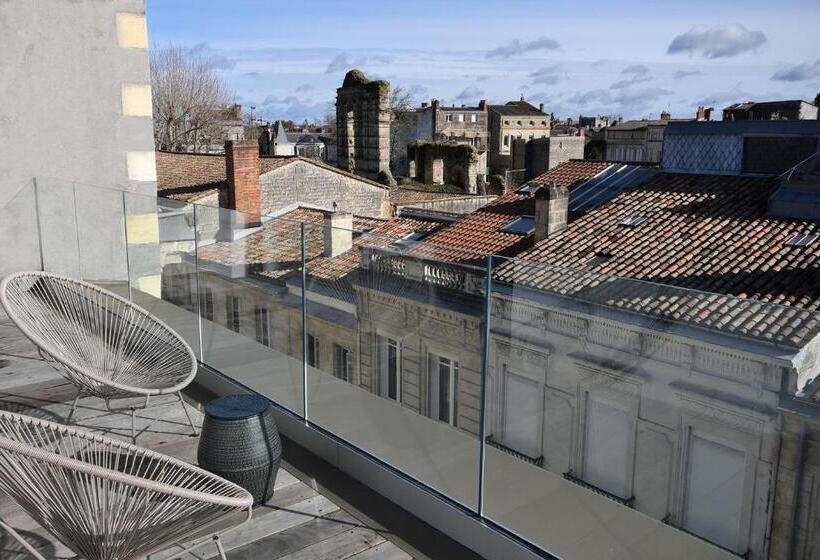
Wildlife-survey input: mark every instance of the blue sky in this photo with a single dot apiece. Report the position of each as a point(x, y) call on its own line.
point(630, 57)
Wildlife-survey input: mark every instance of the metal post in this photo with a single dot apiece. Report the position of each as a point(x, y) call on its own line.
point(304, 326)
point(485, 360)
point(77, 229)
point(39, 225)
point(125, 229)
point(198, 291)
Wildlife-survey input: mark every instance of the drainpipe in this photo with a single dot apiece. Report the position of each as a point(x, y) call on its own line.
point(798, 489)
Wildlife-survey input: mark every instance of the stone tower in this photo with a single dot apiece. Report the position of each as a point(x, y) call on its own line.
point(363, 125)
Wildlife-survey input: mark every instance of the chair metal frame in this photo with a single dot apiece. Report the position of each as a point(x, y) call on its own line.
point(106, 499)
point(106, 345)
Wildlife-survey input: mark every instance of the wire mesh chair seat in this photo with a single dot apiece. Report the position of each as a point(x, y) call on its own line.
point(106, 499)
point(104, 344)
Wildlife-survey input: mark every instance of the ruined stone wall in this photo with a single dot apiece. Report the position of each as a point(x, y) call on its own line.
point(363, 125)
point(302, 182)
point(446, 163)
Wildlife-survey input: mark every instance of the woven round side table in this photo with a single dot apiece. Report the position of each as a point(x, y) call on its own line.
point(240, 443)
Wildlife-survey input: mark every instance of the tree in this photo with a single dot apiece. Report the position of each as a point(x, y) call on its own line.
point(402, 127)
point(190, 100)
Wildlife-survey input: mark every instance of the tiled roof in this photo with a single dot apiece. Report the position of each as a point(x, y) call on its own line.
point(275, 250)
point(707, 233)
point(637, 125)
point(517, 109)
point(478, 232)
point(189, 177)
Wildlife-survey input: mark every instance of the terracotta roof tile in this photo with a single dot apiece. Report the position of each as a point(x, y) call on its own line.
point(478, 232)
point(707, 233)
point(275, 250)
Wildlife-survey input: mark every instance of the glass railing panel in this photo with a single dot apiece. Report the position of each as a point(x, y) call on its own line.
point(251, 321)
point(19, 227)
point(626, 418)
point(394, 346)
point(161, 261)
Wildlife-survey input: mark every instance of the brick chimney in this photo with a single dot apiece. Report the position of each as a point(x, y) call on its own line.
point(551, 210)
point(338, 233)
point(242, 171)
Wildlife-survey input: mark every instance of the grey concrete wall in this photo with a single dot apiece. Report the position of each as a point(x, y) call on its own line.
point(67, 119)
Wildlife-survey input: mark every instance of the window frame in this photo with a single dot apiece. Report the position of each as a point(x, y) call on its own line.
point(383, 343)
point(312, 349)
point(452, 378)
point(262, 326)
point(233, 312)
point(342, 363)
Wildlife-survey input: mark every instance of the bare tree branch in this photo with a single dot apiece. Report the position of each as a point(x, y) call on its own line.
point(189, 100)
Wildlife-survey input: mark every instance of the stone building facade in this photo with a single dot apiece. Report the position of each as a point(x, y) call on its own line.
point(363, 125)
point(515, 119)
point(771, 111)
point(539, 155)
point(462, 125)
point(635, 141)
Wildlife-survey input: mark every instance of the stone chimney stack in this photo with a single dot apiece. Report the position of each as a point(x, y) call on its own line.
point(551, 211)
point(541, 107)
point(242, 171)
point(338, 233)
point(482, 104)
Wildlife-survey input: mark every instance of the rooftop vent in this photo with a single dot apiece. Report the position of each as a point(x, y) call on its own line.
point(525, 225)
point(801, 240)
point(632, 221)
point(600, 257)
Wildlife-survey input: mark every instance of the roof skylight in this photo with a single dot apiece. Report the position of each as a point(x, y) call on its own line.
point(801, 240)
point(525, 225)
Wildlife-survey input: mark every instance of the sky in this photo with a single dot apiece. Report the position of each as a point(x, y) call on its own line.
point(632, 58)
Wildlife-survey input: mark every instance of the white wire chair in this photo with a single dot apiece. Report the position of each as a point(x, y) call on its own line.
point(106, 499)
point(104, 344)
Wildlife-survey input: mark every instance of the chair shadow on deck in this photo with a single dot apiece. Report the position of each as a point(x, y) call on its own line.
point(10, 549)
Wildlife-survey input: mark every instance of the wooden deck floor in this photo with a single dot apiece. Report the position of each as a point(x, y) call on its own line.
point(298, 523)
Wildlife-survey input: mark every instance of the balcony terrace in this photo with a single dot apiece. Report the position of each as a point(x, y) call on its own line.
point(303, 520)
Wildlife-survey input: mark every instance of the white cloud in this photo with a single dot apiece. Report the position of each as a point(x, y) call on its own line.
point(216, 59)
point(717, 41)
point(636, 79)
point(343, 62)
point(636, 70)
point(470, 93)
point(680, 74)
point(798, 73)
point(517, 47)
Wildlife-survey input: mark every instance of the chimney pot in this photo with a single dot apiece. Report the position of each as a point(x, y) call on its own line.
point(551, 210)
point(338, 233)
point(242, 172)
